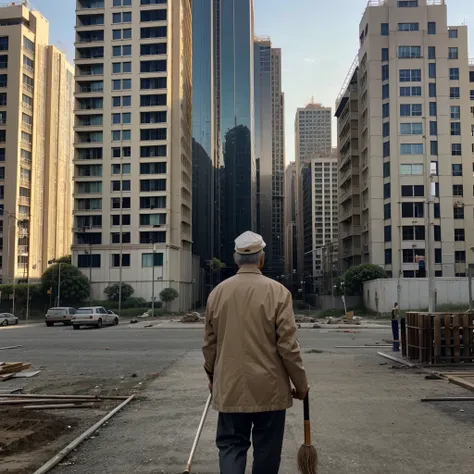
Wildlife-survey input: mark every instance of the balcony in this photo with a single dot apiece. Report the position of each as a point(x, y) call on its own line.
point(28, 88)
point(27, 127)
point(86, 72)
point(350, 231)
point(89, 39)
point(90, 5)
point(24, 201)
point(345, 213)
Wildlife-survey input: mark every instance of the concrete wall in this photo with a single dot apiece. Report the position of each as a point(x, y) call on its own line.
point(380, 295)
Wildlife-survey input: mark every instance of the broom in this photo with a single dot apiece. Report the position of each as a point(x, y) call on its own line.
point(307, 455)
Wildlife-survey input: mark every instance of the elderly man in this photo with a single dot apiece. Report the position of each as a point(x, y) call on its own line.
point(251, 353)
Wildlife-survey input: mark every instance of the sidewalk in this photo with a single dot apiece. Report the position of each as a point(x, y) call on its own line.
point(367, 419)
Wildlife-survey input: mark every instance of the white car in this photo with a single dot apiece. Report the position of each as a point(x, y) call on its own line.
point(96, 316)
point(8, 319)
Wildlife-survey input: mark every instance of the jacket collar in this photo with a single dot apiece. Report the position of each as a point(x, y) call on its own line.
point(249, 269)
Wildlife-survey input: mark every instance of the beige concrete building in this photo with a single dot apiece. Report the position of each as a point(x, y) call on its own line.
point(312, 140)
point(36, 88)
point(347, 113)
point(415, 141)
point(132, 196)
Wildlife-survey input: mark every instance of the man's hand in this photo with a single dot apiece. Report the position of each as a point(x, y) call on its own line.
point(300, 396)
point(210, 387)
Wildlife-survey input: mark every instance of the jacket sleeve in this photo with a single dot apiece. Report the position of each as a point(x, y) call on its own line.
point(209, 348)
point(288, 346)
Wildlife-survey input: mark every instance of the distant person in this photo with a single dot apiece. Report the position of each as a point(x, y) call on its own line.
point(251, 353)
point(395, 331)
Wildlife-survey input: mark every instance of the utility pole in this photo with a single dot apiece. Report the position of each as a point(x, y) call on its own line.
point(153, 283)
point(59, 286)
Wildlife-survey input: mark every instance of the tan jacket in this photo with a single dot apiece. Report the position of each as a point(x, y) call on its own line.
point(250, 345)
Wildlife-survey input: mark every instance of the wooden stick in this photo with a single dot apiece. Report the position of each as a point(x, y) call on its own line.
point(448, 399)
point(396, 359)
point(58, 406)
point(9, 347)
point(74, 444)
point(29, 401)
point(462, 383)
point(59, 397)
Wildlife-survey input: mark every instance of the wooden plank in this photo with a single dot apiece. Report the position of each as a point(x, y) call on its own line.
point(462, 383)
point(38, 401)
point(466, 352)
point(437, 338)
point(12, 368)
point(396, 359)
point(447, 337)
point(61, 406)
point(421, 321)
point(456, 338)
point(448, 399)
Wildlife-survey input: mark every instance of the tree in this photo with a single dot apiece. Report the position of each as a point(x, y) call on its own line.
point(113, 291)
point(65, 259)
point(217, 265)
point(168, 295)
point(354, 277)
point(75, 287)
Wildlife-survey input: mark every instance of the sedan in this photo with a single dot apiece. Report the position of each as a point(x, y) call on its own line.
point(95, 316)
point(8, 319)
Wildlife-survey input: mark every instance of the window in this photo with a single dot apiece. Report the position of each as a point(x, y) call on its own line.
point(433, 128)
point(408, 110)
point(385, 54)
point(153, 15)
point(386, 149)
point(126, 186)
point(433, 109)
point(153, 66)
point(88, 261)
point(411, 170)
point(431, 52)
point(437, 233)
point(431, 28)
point(452, 33)
point(408, 27)
point(409, 52)
point(385, 72)
point(454, 93)
point(153, 49)
point(152, 259)
point(152, 185)
point(454, 74)
point(459, 235)
point(386, 129)
point(438, 257)
point(3, 43)
point(460, 256)
point(116, 260)
point(152, 2)
point(432, 70)
point(456, 169)
point(154, 32)
point(471, 94)
point(453, 53)
point(384, 29)
point(152, 219)
point(153, 168)
point(388, 233)
point(385, 91)
point(153, 117)
point(387, 212)
point(153, 151)
point(456, 149)
point(385, 110)
point(411, 149)
point(458, 213)
point(432, 89)
point(413, 191)
point(456, 112)
point(125, 17)
point(455, 128)
point(412, 209)
point(416, 232)
point(410, 75)
point(407, 3)
point(386, 191)
point(458, 190)
point(153, 134)
point(152, 100)
point(437, 212)
point(411, 128)
point(388, 256)
point(414, 91)
point(155, 237)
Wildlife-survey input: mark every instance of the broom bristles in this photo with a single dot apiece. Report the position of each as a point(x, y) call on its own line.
point(308, 460)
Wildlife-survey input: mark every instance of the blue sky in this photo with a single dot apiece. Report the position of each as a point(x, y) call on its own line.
point(318, 38)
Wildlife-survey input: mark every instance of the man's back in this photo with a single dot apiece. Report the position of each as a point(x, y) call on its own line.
point(251, 336)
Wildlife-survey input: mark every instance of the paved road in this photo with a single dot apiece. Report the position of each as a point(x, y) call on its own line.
point(367, 417)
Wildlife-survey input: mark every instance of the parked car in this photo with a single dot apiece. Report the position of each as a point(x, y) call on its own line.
point(96, 316)
point(59, 315)
point(8, 319)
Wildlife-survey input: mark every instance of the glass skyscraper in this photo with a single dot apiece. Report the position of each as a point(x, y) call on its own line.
point(224, 189)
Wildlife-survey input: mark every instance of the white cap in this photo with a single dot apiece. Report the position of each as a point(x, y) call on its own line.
point(249, 243)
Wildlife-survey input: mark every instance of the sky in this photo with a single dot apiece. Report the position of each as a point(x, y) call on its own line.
point(318, 38)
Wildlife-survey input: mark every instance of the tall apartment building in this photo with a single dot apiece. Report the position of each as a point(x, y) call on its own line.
point(415, 140)
point(223, 127)
point(312, 140)
point(270, 155)
point(347, 113)
point(36, 145)
point(133, 143)
point(290, 239)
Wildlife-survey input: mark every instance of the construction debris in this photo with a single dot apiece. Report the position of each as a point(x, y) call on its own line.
point(463, 381)
point(8, 370)
point(448, 399)
point(60, 406)
point(9, 347)
point(192, 318)
point(396, 359)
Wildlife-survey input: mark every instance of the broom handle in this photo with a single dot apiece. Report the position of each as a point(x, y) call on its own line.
point(198, 434)
point(307, 423)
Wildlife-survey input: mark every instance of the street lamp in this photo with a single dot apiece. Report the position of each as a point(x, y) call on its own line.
point(153, 281)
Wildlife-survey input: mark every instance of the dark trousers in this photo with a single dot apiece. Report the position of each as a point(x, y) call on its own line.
point(395, 334)
point(233, 440)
